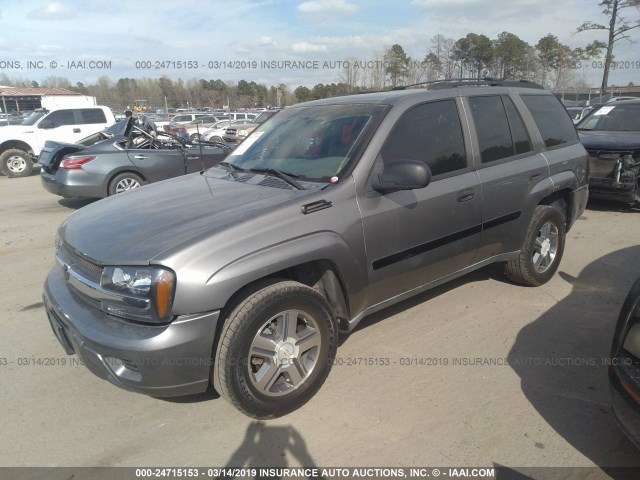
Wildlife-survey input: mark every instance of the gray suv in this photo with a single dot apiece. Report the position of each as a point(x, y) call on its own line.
point(241, 277)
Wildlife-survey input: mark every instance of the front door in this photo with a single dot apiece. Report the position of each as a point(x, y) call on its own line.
point(418, 236)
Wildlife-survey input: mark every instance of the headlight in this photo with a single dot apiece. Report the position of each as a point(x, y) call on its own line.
point(245, 132)
point(157, 285)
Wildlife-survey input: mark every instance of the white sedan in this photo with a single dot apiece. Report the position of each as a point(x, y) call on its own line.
point(217, 131)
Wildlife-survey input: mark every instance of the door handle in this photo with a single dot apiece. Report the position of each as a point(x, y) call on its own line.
point(140, 157)
point(466, 195)
point(535, 176)
point(192, 158)
point(76, 130)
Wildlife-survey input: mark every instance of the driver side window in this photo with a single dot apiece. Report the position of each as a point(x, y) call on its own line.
point(430, 133)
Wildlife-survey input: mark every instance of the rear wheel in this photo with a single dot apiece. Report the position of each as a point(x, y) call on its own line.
point(275, 350)
point(542, 248)
point(16, 163)
point(215, 139)
point(123, 182)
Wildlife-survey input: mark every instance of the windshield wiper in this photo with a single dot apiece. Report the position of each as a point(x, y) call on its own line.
point(287, 177)
point(231, 168)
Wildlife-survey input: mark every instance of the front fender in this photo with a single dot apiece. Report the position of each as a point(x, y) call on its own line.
point(323, 245)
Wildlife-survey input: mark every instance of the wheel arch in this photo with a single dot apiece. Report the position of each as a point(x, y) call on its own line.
point(322, 275)
point(19, 144)
point(115, 173)
point(563, 201)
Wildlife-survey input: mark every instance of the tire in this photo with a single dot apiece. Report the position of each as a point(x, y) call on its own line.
point(542, 248)
point(195, 136)
point(215, 139)
point(16, 163)
point(123, 182)
point(262, 366)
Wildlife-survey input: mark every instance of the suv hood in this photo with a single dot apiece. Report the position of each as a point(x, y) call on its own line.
point(610, 140)
point(135, 227)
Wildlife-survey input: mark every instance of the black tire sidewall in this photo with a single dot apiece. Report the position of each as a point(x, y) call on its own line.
point(4, 158)
point(251, 400)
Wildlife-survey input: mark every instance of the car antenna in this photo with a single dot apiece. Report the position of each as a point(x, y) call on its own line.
point(200, 144)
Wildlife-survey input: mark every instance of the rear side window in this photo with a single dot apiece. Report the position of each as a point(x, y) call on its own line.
point(500, 130)
point(62, 117)
point(552, 120)
point(430, 133)
point(519, 133)
point(92, 115)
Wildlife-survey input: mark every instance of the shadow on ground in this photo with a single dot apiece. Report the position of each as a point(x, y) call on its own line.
point(269, 446)
point(561, 359)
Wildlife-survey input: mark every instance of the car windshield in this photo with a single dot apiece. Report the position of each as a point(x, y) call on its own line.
point(33, 118)
point(313, 143)
point(613, 118)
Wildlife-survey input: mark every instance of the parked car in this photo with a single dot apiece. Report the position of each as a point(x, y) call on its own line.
point(334, 209)
point(237, 133)
point(611, 135)
point(20, 146)
point(218, 130)
point(109, 163)
point(624, 371)
point(184, 118)
point(578, 113)
point(196, 128)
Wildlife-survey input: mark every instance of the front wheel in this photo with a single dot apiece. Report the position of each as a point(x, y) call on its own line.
point(542, 248)
point(16, 163)
point(275, 349)
point(123, 182)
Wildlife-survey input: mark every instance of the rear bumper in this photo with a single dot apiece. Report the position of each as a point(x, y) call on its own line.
point(75, 183)
point(161, 361)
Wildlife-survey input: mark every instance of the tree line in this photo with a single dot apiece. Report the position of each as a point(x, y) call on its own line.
point(549, 62)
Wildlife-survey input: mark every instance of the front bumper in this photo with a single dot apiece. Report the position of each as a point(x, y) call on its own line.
point(625, 407)
point(608, 189)
point(161, 361)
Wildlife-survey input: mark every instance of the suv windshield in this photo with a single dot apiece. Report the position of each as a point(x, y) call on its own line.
point(313, 143)
point(620, 117)
point(33, 118)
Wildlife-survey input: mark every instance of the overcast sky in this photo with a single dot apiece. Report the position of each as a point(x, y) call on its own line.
point(55, 33)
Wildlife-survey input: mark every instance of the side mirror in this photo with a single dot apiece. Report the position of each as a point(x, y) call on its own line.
point(46, 124)
point(402, 175)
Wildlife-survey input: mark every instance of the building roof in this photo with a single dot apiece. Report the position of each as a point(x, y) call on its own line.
point(24, 91)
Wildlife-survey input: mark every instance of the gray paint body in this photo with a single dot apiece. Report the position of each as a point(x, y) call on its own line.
point(219, 235)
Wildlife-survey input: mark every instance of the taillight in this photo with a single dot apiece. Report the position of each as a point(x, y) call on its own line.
point(74, 163)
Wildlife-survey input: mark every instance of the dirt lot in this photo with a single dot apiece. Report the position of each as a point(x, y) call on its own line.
point(481, 372)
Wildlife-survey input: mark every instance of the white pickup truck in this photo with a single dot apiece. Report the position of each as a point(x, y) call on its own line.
point(20, 145)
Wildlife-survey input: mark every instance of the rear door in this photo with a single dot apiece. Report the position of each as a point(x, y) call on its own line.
point(202, 158)
point(509, 169)
point(89, 121)
point(158, 164)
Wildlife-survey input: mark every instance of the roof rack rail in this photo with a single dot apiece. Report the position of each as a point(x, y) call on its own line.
point(464, 82)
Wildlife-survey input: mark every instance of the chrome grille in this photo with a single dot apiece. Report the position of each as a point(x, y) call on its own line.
point(83, 266)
